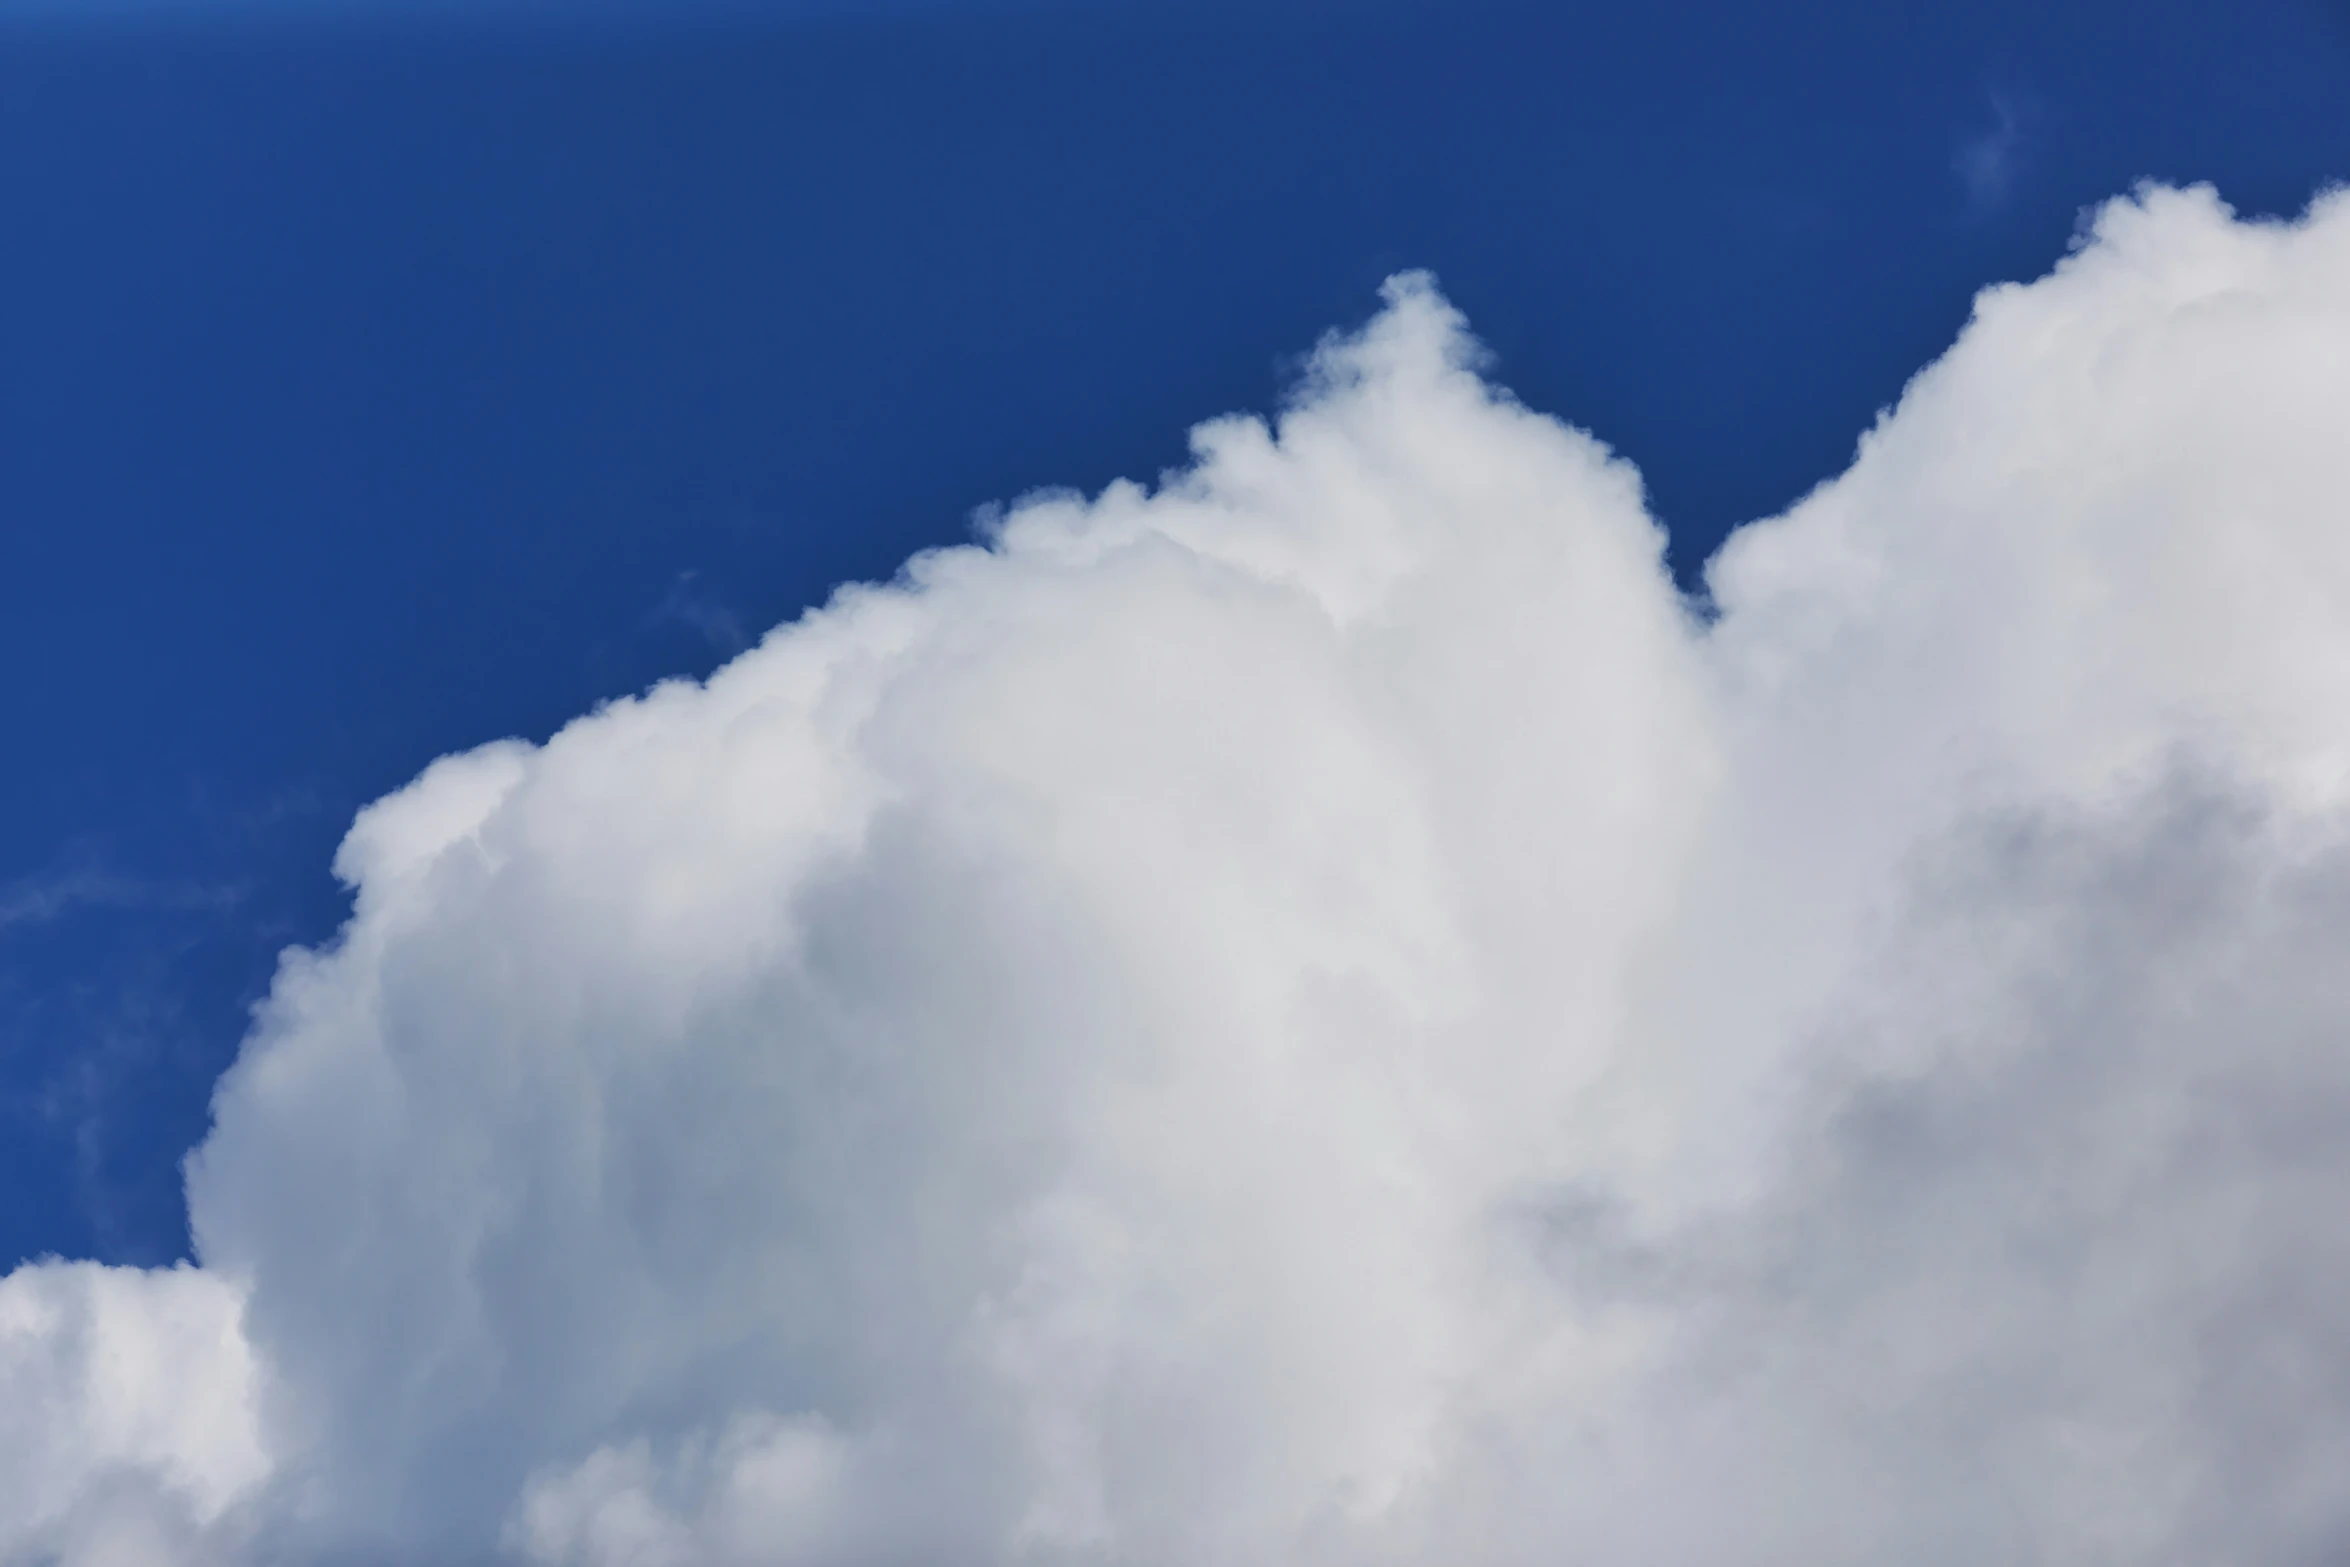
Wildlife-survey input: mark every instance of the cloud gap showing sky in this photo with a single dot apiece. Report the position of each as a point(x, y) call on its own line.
point(1320, 1011)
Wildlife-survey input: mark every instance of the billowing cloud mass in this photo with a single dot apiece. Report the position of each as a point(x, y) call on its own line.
point(1322, 1014)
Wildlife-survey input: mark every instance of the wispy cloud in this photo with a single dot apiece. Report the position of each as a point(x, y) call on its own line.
point(690, 605)
point(1988, 162)
point(47, 896)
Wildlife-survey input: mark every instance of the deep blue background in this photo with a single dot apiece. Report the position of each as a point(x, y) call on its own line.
point(371, 390)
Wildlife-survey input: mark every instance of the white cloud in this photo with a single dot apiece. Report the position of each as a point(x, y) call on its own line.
point(127, 1418)
point(1317, 1014)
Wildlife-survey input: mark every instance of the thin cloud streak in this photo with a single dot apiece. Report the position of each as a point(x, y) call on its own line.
point(1989, 163)
point(48, 896)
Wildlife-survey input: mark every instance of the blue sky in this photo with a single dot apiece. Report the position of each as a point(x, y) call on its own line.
point(374, 388)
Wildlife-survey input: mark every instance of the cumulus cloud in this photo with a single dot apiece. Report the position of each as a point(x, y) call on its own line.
point(127, 1417)
point(1320, 1012)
